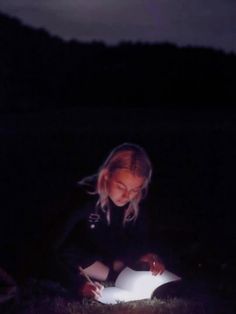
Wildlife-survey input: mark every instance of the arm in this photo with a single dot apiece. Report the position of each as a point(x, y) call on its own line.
point(64, 252)
point(146, 257)
point(74, 209)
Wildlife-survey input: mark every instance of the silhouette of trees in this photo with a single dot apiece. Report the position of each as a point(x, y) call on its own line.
point(39, 72)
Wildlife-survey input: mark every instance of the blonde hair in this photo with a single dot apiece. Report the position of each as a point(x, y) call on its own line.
point(130, 157)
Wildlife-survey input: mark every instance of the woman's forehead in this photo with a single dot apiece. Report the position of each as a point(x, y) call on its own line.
point(127, 178)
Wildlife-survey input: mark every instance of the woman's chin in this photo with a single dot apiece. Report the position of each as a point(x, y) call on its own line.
point(120, 203)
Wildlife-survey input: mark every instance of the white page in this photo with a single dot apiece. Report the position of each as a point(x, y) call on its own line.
point(135, 285)
point(142, 282)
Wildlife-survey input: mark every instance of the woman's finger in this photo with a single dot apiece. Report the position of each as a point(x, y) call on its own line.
point(154, 262)
point(97, 292)
point(92, 290)
point(157, 268)
point(98, 285)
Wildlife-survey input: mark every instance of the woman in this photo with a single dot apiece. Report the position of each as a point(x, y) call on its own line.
point(107, 230)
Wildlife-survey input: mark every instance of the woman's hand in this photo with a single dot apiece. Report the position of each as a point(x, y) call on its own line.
point(118, 265)
point(92, 290)
point(155, 264)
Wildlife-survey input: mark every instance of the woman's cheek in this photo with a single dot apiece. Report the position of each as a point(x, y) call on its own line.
point(119, 194)
point(114, 193)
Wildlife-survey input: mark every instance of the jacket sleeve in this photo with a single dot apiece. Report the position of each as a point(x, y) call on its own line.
point(65, 269)
point(72, 209)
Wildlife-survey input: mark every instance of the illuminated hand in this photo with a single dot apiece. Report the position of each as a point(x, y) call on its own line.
point(118, 265)
point(92, 290)
point(155, 264)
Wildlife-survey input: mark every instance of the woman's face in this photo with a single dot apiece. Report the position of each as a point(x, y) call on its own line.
point(123, 186)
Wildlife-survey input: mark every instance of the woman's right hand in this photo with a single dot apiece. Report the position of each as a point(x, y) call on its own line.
point(92, 290)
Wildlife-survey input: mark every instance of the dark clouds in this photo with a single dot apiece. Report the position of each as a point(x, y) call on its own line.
point(195, 22)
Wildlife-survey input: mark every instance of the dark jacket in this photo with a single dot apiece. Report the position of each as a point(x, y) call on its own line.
point(85, 236)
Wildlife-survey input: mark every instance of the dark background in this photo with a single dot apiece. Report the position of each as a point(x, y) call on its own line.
point(191, 194)
point(64, 106)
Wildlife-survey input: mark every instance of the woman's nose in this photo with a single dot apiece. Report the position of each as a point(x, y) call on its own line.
point(127, 195)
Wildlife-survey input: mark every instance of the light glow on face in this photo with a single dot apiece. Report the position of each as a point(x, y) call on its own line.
point(123, 186)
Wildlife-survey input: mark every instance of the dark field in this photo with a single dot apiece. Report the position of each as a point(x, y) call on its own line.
point(192, 213)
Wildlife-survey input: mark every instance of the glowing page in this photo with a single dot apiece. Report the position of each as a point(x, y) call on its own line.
point(134, 285)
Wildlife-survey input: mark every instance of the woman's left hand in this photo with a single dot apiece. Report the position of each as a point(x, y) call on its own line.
point(156, 266)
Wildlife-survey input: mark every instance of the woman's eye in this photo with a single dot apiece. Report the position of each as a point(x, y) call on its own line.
point(120, 187)
point(137, 190)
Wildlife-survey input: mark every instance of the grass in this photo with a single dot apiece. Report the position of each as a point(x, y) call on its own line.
point(45, 297)
point(138, 307)
point(60, 305)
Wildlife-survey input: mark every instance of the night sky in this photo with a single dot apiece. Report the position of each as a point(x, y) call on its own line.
point(208, 23)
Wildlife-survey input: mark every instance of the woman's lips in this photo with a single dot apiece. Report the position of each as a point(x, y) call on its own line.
point(121, 203)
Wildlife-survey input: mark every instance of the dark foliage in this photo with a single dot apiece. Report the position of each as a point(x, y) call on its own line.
point(39, 71)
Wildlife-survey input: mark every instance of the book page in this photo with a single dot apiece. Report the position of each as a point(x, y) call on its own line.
point(142, 283)
point(133, 285)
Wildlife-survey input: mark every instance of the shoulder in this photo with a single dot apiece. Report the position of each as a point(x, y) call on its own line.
point(74, 203)
point(88, 184)
point(73, 206)
point(79, 192)
point(82, 197)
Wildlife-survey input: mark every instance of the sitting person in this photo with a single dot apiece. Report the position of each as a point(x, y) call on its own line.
point(107, 230)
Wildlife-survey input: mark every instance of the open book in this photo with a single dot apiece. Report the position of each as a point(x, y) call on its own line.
point(133, 285)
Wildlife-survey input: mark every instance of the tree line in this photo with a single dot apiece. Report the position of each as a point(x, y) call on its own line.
point(39, 71)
